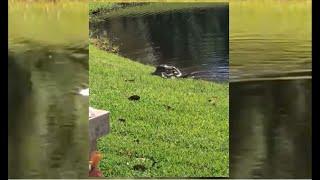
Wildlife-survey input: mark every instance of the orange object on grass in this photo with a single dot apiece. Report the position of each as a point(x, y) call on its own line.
point(94, 162)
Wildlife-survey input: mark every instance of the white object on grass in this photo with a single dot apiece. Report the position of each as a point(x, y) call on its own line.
point(84, 92)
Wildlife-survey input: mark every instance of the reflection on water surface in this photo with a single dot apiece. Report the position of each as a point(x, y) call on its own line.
point(47, 118)
point(270, 89)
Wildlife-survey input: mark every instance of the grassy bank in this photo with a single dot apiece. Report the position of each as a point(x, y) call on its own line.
point(179, 127)
point(143, 9)
point(96, 6)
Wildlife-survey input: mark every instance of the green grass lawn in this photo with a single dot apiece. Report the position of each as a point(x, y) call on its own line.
point(179, 127)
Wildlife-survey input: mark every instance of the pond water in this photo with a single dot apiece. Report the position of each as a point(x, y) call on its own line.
point(270, 129)
point(194, 39)
point(270, 89)
point(47, 118)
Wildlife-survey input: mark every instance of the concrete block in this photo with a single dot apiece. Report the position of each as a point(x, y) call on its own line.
point(98, 126)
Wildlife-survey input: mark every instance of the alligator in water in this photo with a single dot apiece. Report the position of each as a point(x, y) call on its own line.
point(167, 71)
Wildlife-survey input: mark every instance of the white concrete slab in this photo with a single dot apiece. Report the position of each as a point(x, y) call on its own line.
point(98, 126)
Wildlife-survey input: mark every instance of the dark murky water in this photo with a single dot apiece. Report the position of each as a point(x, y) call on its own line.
point(196, 40)
point(270, 129)
point(48, 120)
point(270, 89)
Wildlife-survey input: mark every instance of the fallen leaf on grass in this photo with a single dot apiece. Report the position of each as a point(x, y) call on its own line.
point(121, 120)
point(213, 100)
point(134, 98)
point(129, 80)
point(139, 167)
point(168, 107)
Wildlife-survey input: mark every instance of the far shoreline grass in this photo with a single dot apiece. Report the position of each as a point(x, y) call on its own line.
point(110, 10)
point(179, 127)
